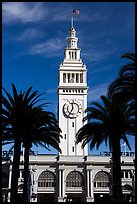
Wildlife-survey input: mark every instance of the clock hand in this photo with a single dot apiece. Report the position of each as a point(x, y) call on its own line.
point(71, 108)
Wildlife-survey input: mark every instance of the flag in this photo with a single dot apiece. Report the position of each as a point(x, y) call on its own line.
point(124, 144)
point(75, 12)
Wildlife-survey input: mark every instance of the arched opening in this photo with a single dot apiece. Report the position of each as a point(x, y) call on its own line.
point(127, 187)
point(74, 187)
point(127, 192)
point(102, 180)
point(46, 187)
point(74, 179)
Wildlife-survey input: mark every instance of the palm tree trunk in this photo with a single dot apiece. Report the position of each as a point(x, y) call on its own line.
point(15, 171)
point(26, 187)
point(116, 172)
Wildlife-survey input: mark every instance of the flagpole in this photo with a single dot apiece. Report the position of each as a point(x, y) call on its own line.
point(125, 148)
point(72, 21)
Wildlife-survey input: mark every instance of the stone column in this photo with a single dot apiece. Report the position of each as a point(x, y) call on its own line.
point(87, 182)
point(61, 185)
point(34, 186)
point(90, 195)
point(10, 172)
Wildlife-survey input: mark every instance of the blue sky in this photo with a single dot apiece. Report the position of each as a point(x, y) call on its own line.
point(34, 37)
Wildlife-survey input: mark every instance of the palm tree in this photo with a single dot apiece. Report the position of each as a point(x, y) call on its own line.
point(124, 86)
point(44, 131)
point(17, 114)
point(109, 123)
point(12, 123)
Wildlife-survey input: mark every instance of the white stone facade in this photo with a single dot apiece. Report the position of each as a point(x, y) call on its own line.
point(72, 89)
point(61, 167)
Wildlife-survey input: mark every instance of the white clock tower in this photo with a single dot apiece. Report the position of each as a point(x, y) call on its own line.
point(72, 97)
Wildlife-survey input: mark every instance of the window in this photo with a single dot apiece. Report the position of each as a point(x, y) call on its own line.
point(72, 124)
point(68, 78)
point(72, 55)
point(126, 174)
point(75, 55)
point(81, 78)
point(65, 136)
point(74, 179)
point(20, 187)
point(22, 174)
point(46, 179)
point(102, 180)
point(72, 149)
point(122, 174)
point(77, 78)
point(64, 78)
point(69, 55)
point(72, 78)
point(127, 187)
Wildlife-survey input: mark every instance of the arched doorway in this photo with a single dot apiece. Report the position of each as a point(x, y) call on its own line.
point(46, 187)
point(127, 192)
point(102, 182)
point(74, 187)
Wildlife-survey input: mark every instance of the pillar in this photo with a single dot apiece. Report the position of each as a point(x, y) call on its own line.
point(91, 184)
point(87, 182)
point(90, 194)
point(34, 186)
point(61, 185)
point(10, 172)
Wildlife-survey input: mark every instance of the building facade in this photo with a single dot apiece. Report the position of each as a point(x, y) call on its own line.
point(58, 178)
point(72, 175)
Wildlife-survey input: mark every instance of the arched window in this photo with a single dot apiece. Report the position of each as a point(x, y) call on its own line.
point(74, 179)
point(127, 187)
point(102, 180)
point(46, 179)
point(20, 187)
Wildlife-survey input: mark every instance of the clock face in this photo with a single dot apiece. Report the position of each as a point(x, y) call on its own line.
point(72, 108)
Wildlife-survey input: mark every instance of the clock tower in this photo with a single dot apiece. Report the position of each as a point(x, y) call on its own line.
point(72, 97)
